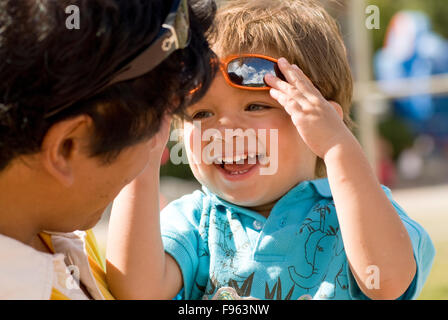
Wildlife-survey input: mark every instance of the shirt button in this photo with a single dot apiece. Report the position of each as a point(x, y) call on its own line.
point(282, 222)
point(258, 225)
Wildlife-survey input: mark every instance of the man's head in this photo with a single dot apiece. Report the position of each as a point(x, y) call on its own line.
point(43, 65)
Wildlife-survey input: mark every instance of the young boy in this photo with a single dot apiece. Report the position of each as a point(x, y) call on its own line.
point(282, 235)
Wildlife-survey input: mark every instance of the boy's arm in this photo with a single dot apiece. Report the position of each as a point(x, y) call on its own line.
point(372, 231)
point(137, 265)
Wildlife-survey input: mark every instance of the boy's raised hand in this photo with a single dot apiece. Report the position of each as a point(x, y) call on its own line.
point(319, 122)
point(159, 141)
point(157, 146)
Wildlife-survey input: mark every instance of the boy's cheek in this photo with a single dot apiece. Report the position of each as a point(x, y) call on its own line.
point(192, 141)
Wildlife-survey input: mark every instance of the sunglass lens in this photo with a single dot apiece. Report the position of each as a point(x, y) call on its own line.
point(182, 25)
point(250, 71)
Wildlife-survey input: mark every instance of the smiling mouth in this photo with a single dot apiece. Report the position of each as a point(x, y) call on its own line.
point(238, 165)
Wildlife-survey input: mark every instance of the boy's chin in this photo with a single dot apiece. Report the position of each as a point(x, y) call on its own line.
point(242, 200)
point(240, 196)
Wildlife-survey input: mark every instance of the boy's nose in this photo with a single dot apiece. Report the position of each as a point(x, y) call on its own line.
point(230, 121)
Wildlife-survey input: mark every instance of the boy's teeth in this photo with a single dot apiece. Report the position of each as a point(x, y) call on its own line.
point(238, 172)
point(228, 160)
point(218, 160)
point(252, 157)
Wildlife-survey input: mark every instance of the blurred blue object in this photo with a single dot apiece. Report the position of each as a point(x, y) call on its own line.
point(413, 50)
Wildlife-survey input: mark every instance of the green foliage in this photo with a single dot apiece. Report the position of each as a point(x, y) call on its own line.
point(436, 287)
point(437, 10)
point(394, 130)
point(182, 171)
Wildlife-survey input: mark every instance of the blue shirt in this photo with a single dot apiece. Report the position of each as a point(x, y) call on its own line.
point(226, 251)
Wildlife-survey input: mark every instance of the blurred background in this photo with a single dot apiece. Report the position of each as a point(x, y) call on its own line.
point(399, 56)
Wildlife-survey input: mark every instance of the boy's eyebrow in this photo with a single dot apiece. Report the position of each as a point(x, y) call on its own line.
point(193, 106)
point(265, 103)
point(205, 101)
point(248, 98)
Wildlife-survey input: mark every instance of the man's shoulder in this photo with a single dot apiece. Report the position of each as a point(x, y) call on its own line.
point(25, 273)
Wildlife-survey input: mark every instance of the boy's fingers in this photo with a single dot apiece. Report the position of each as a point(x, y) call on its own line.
point(291, 105)
point(293, 75)
point(281, 98)
point(302, 74)
point(284, 87)
point(277, 83)
point(299, 79)
point(284, 90)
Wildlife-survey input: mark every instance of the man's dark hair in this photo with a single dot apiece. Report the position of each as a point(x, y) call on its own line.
point(43, 65)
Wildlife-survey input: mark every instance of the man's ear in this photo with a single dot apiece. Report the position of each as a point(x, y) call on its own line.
point(63, 143)
point(338, 109)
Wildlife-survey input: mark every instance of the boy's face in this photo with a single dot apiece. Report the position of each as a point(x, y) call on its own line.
point(247, 182)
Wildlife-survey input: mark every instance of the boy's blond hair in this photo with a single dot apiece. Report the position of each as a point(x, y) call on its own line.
point(299, 30)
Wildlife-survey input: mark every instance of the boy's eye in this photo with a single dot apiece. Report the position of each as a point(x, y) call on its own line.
point(256, 107)
point(202, 115)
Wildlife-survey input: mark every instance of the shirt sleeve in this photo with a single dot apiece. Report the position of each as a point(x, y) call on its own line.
point(424, 253)
point(180, 235)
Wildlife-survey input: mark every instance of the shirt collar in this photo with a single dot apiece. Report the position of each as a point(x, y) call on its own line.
point(304, 190)
point(322, 187)
point(25, 273)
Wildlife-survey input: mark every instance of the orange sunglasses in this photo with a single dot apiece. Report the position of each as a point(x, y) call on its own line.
point(247, 71)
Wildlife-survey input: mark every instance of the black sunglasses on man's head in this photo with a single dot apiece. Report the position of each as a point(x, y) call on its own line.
point(174, 34)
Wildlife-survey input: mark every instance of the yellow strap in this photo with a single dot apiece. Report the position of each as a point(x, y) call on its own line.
point(96, 264)
point(57, 295)
point(46, 238)
point(92, 249)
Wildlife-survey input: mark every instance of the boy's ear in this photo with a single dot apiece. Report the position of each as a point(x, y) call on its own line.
point(338, 109)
